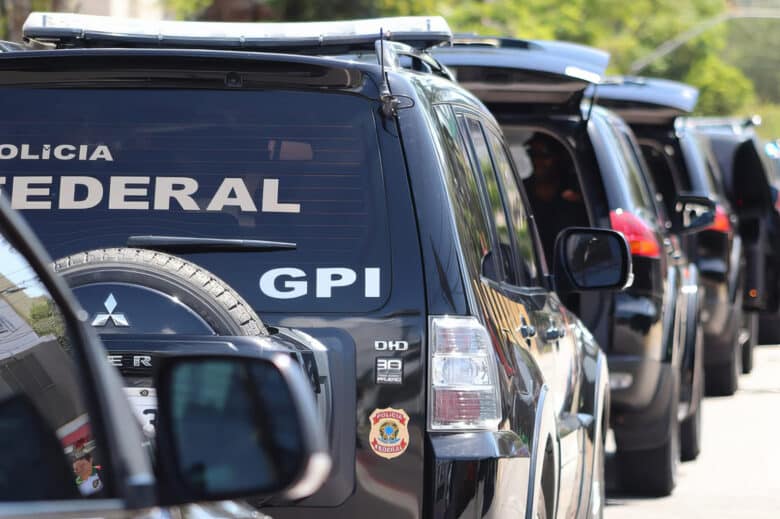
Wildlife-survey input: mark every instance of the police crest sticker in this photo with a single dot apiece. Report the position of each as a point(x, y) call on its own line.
point(389, 436)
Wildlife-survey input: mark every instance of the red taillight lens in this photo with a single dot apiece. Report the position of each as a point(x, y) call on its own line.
point(640, 235)
point(721, 223)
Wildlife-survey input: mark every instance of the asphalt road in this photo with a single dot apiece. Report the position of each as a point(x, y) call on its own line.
point(737, 474)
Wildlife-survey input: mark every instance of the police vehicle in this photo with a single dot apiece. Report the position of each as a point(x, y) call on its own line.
point(326, 184)
point(581, 163)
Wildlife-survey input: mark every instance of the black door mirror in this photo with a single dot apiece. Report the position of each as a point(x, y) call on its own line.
point(693, 212)
point(232, 426)
point(591, 259)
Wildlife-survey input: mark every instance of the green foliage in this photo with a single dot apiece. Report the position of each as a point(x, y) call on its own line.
point(754, 47)
point(45, 319)
point(41, 310)
point(724, 88)
point(186, 9)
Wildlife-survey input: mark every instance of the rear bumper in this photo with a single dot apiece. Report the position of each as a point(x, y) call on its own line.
point(721, 320)
point(641, 413)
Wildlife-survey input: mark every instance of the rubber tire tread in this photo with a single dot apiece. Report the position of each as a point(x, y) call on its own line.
point(690, 433)
point(723, 379)
point(204, 283)
point(749, 346)
point(653, 472)
point(647, 472)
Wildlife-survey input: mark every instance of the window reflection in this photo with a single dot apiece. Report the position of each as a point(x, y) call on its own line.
point(47, 449)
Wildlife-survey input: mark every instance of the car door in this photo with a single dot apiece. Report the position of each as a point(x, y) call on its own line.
point(521, 286)
point(555, 327)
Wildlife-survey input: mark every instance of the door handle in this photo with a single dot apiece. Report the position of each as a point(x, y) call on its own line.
point(527, 331)
point(554, 333)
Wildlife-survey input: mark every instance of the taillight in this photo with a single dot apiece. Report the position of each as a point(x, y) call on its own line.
point(640, 236)
point(721, 223)
point(464, 391)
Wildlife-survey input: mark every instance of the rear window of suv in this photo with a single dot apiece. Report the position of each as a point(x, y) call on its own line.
point(92, 167)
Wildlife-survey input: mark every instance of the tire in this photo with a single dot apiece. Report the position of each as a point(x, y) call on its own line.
point(769, 329)
point(723, 379)
point(750, 320)
point(226, 312)
point(690, 427)
point(653, 472)
point(690, 431)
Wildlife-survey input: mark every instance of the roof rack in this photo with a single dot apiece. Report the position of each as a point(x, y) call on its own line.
point(68, 30)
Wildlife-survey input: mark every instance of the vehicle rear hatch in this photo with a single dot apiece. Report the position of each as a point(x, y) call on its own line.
point(525, 75)
point(747, 180)
point(640, 100)
point(240, 146)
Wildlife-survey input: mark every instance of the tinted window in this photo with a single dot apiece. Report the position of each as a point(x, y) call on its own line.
point(472, 226)
point(92, 168)
point(516, 208)
point(497, 213)
point(700, 164)
point(47, 450)
point(636, 181)
point(661, 168)
point(624, 187)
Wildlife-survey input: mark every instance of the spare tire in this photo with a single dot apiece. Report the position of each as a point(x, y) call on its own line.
point(225, 311)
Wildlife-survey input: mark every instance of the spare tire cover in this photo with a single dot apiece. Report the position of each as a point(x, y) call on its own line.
point(141, 291)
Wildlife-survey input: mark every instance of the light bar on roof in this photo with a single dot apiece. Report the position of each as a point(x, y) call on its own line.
point(418, 31)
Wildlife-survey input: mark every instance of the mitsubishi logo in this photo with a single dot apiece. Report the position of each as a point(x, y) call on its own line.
point(102, 319)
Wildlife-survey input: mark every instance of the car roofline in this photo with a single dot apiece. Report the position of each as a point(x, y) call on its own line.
point(40, 66)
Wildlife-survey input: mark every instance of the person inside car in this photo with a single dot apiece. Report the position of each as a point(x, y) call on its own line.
point(556, 200)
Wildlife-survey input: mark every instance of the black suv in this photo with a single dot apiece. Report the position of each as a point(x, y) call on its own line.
point(681, 162)
point(582, 164)
point(750, 182)
point(369, 212)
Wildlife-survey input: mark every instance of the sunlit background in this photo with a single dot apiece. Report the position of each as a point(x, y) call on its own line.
point(729, 49)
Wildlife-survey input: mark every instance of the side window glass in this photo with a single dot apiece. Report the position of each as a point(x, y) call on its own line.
point(661, 168)
point(646, 181)
point(497, 213)
point(473, 230)
point(636, 183)
point(47, 449)
point(515, 207)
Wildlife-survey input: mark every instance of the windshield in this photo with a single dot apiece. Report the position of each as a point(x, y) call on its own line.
point(90, 168)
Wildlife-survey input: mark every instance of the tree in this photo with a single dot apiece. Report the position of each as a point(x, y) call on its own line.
point(724, 88)
point(754, 47)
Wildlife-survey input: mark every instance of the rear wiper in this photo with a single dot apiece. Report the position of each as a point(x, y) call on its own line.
point(185, 244)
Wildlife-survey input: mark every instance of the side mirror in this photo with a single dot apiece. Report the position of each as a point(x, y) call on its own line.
point(693, 212)
point(237, 427)
point(591, 259)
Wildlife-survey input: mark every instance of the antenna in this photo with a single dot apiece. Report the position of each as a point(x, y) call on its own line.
point(389, 102)
point(382, 50)
point(593, 99)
